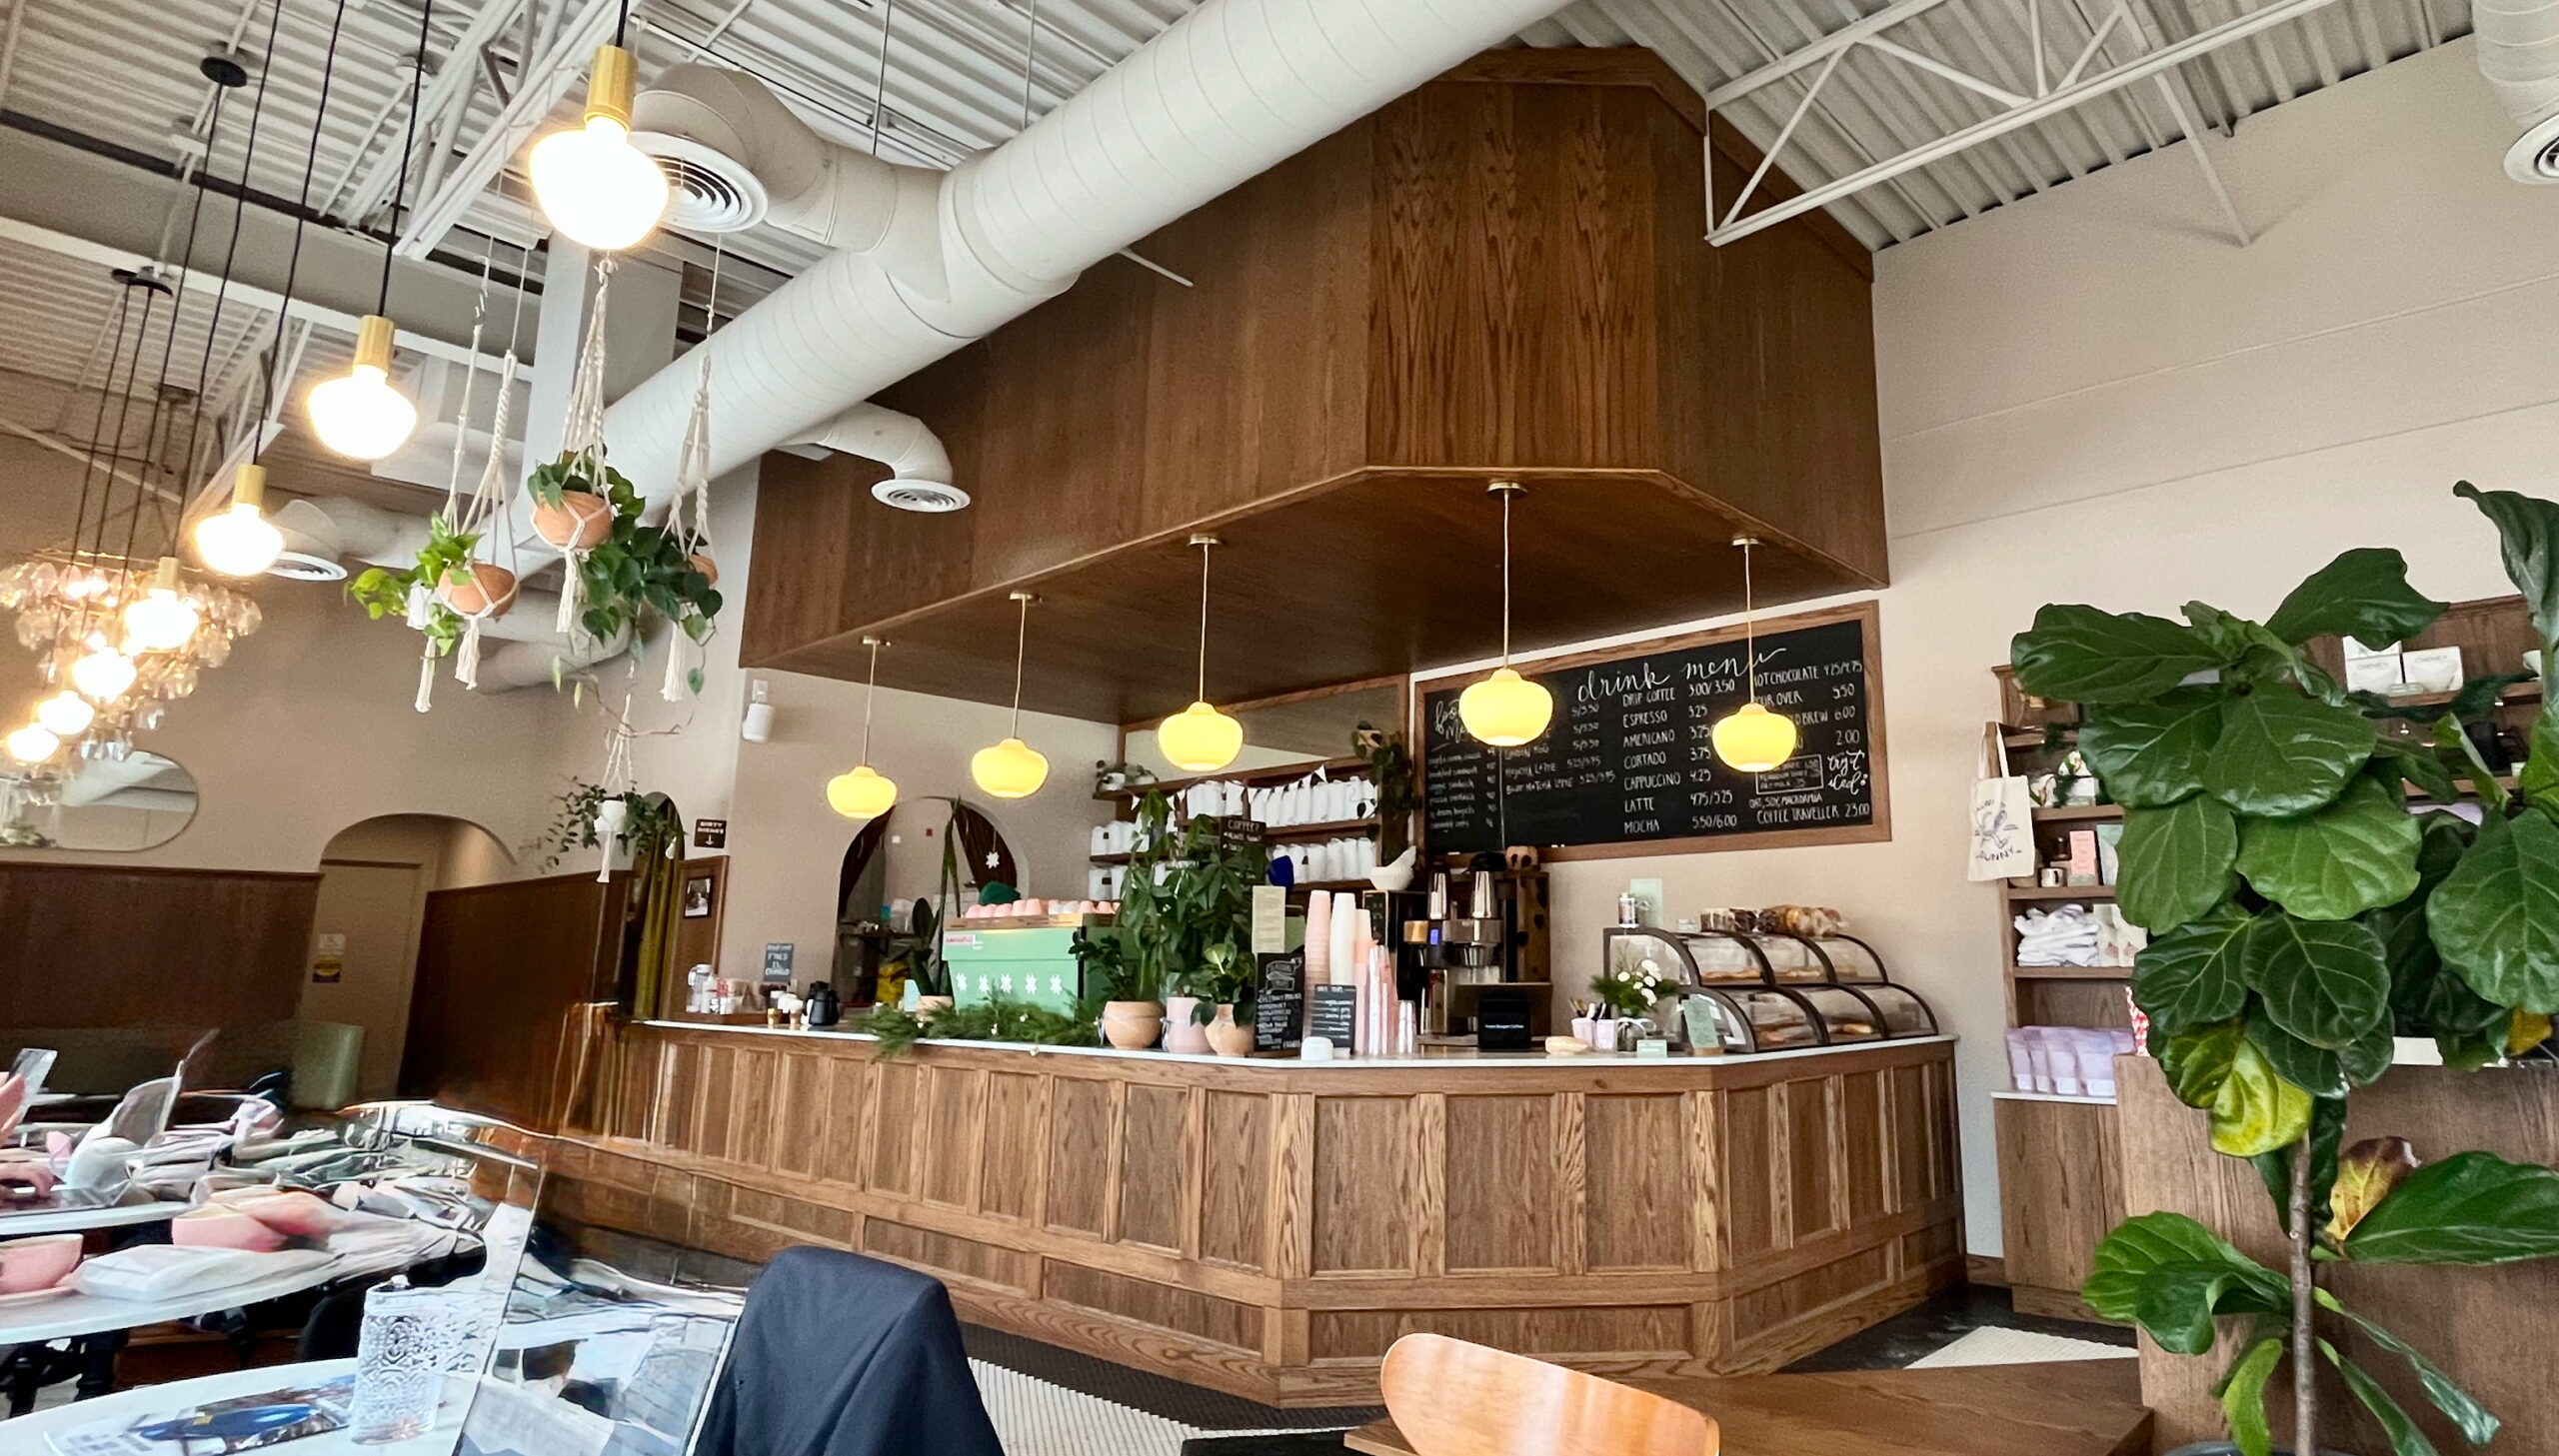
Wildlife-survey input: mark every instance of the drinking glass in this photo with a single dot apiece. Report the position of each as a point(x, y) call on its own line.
point(409, 1340)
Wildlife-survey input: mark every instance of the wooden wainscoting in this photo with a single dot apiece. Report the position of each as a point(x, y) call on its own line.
point(500, 967)
point(1269, 1229)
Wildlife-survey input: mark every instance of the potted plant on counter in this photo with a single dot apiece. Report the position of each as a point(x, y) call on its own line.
point(2301, 915)
point(1132, 1013)
point(1189, 890)
point(1224, 982)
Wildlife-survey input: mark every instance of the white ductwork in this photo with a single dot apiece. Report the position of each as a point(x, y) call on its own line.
point(2518, 42)
point(739, 157)
point(1225, 93)
point(919, 477)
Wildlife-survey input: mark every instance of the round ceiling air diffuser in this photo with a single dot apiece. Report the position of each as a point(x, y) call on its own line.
point(302, 565)
point(709, 191)
point(2535, 155)
point(932, 498)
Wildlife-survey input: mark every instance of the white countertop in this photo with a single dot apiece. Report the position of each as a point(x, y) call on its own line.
point(1436, 1058)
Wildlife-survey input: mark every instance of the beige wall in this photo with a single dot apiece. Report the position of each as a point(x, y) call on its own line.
point(375, 878)
point(2095, 395)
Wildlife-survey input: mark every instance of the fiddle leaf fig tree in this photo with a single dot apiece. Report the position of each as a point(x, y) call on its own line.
point(2301, 918)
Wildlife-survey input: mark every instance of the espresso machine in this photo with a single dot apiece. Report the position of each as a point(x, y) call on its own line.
point(1481, 947)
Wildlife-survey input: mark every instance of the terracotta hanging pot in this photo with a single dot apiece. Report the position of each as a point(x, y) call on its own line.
point(487, 591)
point(704, 564)
point(1132, 1025)
point(579, 523)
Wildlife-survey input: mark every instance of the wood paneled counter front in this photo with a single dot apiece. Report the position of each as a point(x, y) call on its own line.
point(1268, 1227)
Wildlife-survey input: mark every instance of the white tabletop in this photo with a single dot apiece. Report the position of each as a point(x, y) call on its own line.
point(21, 1223)
point(21, 1436)
point(76, 1313)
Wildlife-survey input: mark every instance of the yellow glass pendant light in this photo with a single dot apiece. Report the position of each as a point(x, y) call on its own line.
point(1013, 768)
point(861, 792)
point(592, 183)
point(1751, 738)
point(1504, 709)
point(241, 542)
point(161, 620)
point(359, 414)
point(1200, 739)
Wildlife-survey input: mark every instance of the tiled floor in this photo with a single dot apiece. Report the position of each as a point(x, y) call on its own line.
point(1890, 1345)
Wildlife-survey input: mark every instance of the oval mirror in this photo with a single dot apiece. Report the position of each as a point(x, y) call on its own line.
point(138, 802)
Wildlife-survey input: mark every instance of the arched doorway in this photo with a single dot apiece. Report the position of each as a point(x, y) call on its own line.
point(375, 876)
point(883, 867)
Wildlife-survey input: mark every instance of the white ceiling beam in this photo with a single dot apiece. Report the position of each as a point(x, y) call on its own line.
point(545, 80)
point(2062, 98)
point(448, 93)
point(79, 205)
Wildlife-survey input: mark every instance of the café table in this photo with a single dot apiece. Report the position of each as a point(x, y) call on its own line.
point(2064, 1408)
point(29, 1221)
point(29, 1432)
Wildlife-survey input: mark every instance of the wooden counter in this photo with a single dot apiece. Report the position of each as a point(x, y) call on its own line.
point(1270, 1227)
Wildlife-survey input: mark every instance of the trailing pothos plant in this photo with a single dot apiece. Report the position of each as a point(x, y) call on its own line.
point(385, 590)
point(637, 571)
point(650, 825)
point(2300, 917)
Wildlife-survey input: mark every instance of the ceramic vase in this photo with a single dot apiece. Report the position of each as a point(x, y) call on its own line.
point(1132, 1025)
point(1227, 1037)
point(580, 522)
point(1182, 1033)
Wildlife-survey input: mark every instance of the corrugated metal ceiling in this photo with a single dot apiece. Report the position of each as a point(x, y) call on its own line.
point(123, 72)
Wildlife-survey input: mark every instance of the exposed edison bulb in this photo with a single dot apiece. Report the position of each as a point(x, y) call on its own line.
point(161, 620)
point(592, 183)
point(1505, 710)
point(1200, 739)
point(102, 673)
point(33, 743)
point(65, 715)
point(860, 794)
point(1753, 739)
point(358, 414)
point(240, 542)
point(1010, 770)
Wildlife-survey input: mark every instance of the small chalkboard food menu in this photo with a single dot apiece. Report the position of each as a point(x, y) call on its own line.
point(1627, 763)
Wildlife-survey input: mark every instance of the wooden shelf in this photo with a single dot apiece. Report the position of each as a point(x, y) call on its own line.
point(1332, 885)
point(1252, 778)
point(2070, 973)
point(2059, 891)
point(2071, 812)
point(2013, 1095)
point(2516, 692)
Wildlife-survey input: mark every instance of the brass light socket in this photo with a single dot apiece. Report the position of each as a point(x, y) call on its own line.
point(166, 577)
point(373, 343)
point(249, 486)
point(611, 84)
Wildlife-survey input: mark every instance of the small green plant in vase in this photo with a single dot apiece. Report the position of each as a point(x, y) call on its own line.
point(1629, 992)
point(388, 590)
point(2301, 919)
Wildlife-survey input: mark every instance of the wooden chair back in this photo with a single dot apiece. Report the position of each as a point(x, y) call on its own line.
point(1453, 1398)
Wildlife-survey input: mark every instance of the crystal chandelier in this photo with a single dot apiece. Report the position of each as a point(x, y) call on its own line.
point(71, 611)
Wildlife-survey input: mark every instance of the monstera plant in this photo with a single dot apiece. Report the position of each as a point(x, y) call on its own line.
point(2301, 918)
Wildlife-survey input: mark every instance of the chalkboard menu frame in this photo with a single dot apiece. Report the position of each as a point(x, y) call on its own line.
point(1878, 828)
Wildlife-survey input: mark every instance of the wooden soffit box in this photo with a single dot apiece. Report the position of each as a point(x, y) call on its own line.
point(1501, 275)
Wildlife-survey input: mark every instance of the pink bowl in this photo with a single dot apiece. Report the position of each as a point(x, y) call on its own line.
point(216, 1227)
point(288, 1211)
point(41, 1262)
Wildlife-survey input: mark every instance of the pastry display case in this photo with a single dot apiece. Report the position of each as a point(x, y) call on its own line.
point(1759, 989)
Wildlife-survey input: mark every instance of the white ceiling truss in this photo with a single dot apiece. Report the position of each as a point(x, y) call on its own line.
point(2118, 51)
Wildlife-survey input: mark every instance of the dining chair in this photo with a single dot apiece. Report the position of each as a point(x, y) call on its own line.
point(1453, 1398)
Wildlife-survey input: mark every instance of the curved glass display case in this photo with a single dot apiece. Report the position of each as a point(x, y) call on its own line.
point(1757, 990)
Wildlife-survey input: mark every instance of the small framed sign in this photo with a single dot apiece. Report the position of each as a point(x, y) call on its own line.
point(777, 961)
point(711, 833)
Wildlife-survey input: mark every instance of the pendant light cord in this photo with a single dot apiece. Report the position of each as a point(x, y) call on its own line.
point(869, 694)
point(1203, 620)
point(1029, 50)
point(231, 249)
point(621, 22)
point(1020, 647)
point(300, 212)
point(151, 442)
point(1506, 577)
point(1750, 624)
point(408, 146)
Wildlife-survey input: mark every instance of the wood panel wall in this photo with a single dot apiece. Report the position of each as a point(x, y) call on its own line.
point(133, 964)
point(1500, 274)
point(1270, 1230)
point(2488, 1328)
point(498, 968)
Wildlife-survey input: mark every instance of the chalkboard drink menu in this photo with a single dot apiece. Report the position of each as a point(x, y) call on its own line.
point(1627, 757)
